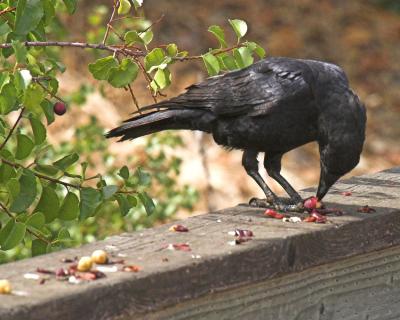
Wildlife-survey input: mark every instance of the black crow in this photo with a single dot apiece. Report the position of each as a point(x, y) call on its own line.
point(272, 106)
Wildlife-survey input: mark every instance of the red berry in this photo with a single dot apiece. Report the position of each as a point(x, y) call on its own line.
point(60, 108)
point(319, 218)
point(273, 214)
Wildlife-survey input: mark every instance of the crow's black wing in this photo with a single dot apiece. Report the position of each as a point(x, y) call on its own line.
point(253, 91)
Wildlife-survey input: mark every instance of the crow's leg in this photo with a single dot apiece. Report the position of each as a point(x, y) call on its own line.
point(250, 163)
point(273, 167)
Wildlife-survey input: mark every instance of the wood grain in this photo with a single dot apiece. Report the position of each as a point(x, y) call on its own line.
point(358, 288)
point(278, 250)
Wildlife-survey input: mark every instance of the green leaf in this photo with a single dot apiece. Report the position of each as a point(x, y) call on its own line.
point(211, 63)
point(39, 131)
point(70, 207)
point(146, 36)
point(90, 199)
point(162, 79)
point(218, 32)
point(137, 3)
point(28, 15)
point(39, 247)
point(8, 98)
point(124, 7)
point(84, 166)
point(20, 51)
point(132, 200)
point(239, 26)
point(71, 5)
point(132, 37)
point(49, 11)
point(154, 59)
point(6, 172)
point(124, 204)
point(49, 204)
point(147, 203)
point(100, 69)
point(4, 28)
point(124, 173)
point(12, 234)
point(47, 169)
point(230, 62)
point(13, 188)
point(33, 98)
point(144, 178)
point(109, 191)
point(172, 49)
point(243, 57)
point(67, 161)
point(124, 74)
point(24, 147)
point(63, 235)
point(36, 220)
point(256, 48)
point(48, 110)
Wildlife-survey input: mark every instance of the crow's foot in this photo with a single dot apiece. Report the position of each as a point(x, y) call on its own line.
point(281, 204)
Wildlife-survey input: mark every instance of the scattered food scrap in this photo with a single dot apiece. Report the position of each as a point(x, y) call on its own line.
point(241, 233)
point(44, 271)
point(366, 209)
point(346, 193)
point(90, 276)
point(240, 236)
point(273, 214)
point(32, 276)
point(131, 268)
point(69, 260)
point(312, 203)
point(99, 257)
point(85, 264)
point(196, 256)
point(61, 272)
point(310, 219)
point(107, 269)
point(294, 219)
point(319, 218)
point(179, 228)
point(179, 247)
point(5, 286)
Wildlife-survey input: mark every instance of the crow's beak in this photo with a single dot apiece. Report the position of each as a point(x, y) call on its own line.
point(325, 182)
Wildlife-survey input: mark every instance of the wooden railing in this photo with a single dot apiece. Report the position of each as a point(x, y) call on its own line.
point(348, 268)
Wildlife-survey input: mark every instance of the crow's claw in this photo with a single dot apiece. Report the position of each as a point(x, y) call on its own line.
point(281, 204)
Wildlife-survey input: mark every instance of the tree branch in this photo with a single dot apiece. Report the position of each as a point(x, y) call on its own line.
point(12, 129)
point(4, 11)
point(5, 209)
point(41, 176)
point(115, 6)
point(82, 45)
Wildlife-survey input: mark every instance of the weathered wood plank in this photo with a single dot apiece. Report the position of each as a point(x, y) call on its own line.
point(357, 288)
point(278, 249)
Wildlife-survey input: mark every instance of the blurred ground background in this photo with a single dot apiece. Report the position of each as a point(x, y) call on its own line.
point(361, 36)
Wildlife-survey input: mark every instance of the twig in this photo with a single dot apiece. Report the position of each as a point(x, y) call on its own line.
point(82, 45)
point(47, 90)
point(5, 209)
point(147, 77)
point(12, 129)
point(217, 52)
point(9, 9)
point(115, 6)
point(41, 176)
point(134, 98)
point(153, 24)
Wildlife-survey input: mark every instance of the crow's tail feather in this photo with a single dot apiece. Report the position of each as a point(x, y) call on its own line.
point(156, 121)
